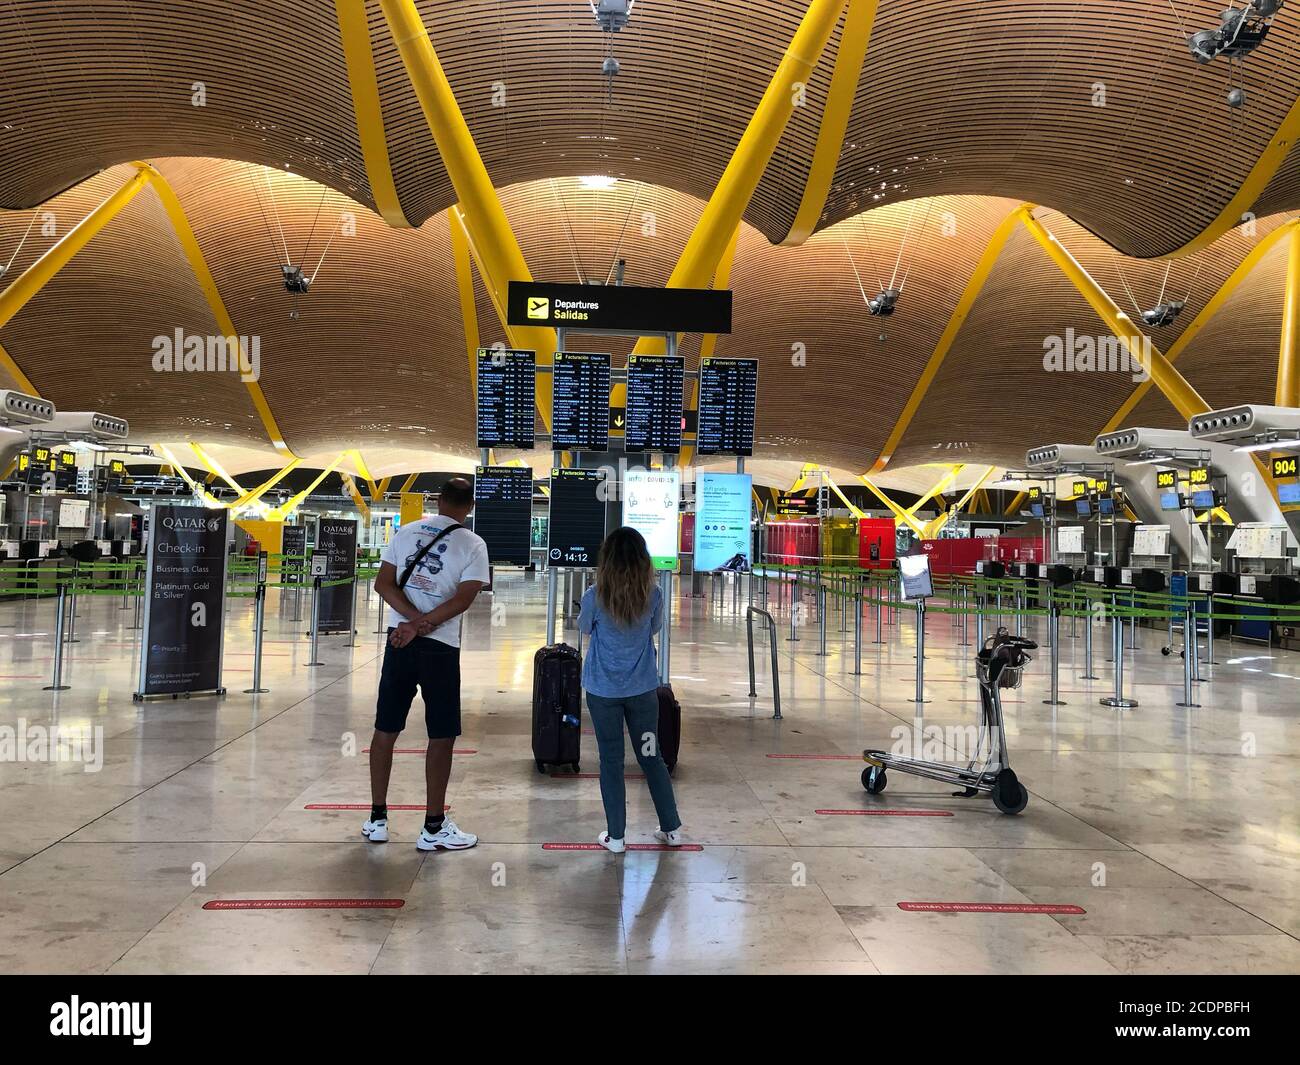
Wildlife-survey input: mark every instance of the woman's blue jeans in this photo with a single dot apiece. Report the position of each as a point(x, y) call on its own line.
point(641, 714)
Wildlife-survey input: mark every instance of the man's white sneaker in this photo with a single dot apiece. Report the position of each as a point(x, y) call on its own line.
point(376, 831)
point(616, 846)
point(673, 838)
point(447, 838)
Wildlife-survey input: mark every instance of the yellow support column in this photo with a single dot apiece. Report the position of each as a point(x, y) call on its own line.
point(1288, 363)
point(288, 507)
point(261, 490)
point(900, 515)
point(1171, 383)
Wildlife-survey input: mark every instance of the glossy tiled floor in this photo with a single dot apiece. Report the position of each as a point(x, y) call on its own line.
point(1183, 850)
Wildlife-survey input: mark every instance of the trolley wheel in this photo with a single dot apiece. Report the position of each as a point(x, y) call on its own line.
point(1009, 795)
point(874, 779)
point(1166, 651)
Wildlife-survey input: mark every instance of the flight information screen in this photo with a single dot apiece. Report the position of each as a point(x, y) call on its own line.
point(503, 512)
point(728, 397)
point(577, 524)
point(580, 402)
point(654, 402)
point(507, 388)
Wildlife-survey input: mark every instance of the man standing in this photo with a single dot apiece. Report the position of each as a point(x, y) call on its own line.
point(429, 574)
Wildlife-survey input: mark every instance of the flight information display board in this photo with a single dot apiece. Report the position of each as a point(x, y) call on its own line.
point(580, 402)
point(503, 512)
point(577, 524)
point(507, 390)
point(728, 397)
point(654, 403)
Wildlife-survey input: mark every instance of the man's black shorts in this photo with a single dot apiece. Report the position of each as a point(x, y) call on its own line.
point(433, 667)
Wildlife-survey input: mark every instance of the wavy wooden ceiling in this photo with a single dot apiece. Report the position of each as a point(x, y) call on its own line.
point(375, 354)
point(988, 97)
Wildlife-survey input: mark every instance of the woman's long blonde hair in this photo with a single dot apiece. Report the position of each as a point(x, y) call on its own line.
point(625, 576)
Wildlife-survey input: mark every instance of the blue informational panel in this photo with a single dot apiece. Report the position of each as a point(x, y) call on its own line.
point(722, 522)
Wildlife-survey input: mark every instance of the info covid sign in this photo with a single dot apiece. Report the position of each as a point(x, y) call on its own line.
point(184, 602)
point(722, 522)
point(651, 505)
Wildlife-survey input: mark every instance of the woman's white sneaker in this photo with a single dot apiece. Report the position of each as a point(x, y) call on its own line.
point(616, 846)
point(376, 831)
point(447, 838)
point(673, 838)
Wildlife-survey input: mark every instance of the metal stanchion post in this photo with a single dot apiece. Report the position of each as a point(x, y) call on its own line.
point(60, 621)
point(821, 618)
point(794, 608)
point(1088, 674)
point(1133, 624)
point(1189, 653)
point(136, 621)
point(72, 605)
point(965, 616)
point(1074, 615)
point(1053, 630)
point(1017, 599)
point(880, 614)
point(1209, 630)
point(259, 624)
point(315, 623)
point(1117, 701)
point(857, 633)
point(1196, 645)
point(920, 652)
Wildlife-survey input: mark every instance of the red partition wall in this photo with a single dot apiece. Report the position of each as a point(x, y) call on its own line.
point(953, 556)
point(1020, 549)
point(794, 543)
point(877, 531)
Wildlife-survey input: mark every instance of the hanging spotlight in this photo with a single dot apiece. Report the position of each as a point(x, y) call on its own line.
point(1240, 31)
point(295, 280)
point(882, 306)
point(1163, 314)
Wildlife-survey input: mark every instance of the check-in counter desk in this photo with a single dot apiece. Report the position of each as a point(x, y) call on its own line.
point(1256, 594)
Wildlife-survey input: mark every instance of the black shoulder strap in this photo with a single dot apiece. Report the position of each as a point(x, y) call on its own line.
point(419, 555)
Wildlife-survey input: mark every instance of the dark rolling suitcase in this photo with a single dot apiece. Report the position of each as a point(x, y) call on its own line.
point(557, 707)
point(670, 726)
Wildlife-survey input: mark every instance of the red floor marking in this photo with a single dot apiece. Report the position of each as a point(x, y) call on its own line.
point(362, 806)
point(886, 813)
point(989, 907)
point(421, 750)
point(630, 846)
point(820, 757)
point(304, 904)
point(10, 676)
point(593, 776)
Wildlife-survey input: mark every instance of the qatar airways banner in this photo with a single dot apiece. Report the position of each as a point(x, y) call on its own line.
point(184, 602)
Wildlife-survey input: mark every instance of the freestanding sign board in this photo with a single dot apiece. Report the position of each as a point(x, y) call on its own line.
point(651, 505)
point(184, 603)
point(293, 545)
point(336, 541)
point(722, 522)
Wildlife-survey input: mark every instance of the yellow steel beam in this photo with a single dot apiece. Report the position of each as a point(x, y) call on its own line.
point(936, 526)
point(209, 500)
point(214, 467)
point(383, 487)
point(899, 513)
point(199, 265)
point(1016, 504)
point(1171, 383)
point(33, 279)
point(501, 257)
point(283, 511)
point(354, 32)
point(708, 344)
point(350, 486)
point(974, 286)
point(1264, 170)
point(941, 485)
point(409, 482)
point(726, 207)
point(465, 286)
point(1288, 362)
point(1211, 308)
point(249, 498)
point(15, 371)
point(363, 469)
point(854, 41)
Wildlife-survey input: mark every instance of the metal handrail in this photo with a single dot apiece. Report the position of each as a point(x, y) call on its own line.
point(776, 673)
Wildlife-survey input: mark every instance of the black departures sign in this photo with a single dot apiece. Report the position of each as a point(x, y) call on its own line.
point(184, 602)
point(507, 390)
point(503, 512)
point(619, 308)
point(577, 524)
point(336, 539)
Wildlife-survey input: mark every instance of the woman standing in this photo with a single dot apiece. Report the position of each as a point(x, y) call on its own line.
point(621, 677)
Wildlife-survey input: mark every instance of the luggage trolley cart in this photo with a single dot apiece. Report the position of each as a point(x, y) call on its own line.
point(999, 665)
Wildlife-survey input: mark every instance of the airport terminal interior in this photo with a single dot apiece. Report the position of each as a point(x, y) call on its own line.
point(945, 357)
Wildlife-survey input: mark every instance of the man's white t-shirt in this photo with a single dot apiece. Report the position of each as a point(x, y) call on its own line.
point(458, 557)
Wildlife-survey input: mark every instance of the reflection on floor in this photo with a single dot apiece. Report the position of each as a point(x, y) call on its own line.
point(1174, 830)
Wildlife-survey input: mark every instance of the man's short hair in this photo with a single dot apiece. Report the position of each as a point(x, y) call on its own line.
point(458, 492)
